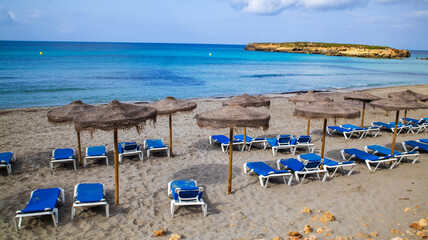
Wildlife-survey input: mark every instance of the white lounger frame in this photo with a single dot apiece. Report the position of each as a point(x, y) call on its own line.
point(263, 142)
point(52, 212)
point(368, 162)
point(316, 171)
point(403, 155)
point(264, 180)
point(341, 167)
point(159, 149)
point(188, 202)
point(9, 166)
point(64, 160)
point(94, 157)
point(90, 204)
point(349, 134)
point(225, 146)
point(130, 153)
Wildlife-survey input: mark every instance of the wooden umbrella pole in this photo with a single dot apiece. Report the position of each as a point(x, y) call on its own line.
point(245, 137)
point(170, 135)
point(362, 115)
point(116, 169)
point(323, 137)
point(309, 125)
point(229, 183)
point(79, 149)
point(395, 132)
point(405, 116)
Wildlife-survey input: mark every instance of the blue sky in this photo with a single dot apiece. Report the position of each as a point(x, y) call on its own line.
point(396, 23)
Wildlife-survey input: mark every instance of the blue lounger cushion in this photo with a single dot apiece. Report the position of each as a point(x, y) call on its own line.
point(64, 153)
point(42, 200)
point(311, 157)
point(420, 145)
point(89, 192)
point(127, 146)
point(293, 164)
point(386, 151)
point(262, 169)
point(241, 138)
point(96, 151)
point(353, 127)
point(188, 189)
point(339, 129)
point(361, 154)
point(156, 143)
point(5, 157)
point(272, 142)
point(424, 140)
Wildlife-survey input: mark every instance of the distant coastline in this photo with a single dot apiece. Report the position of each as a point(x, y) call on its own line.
point(331, 49)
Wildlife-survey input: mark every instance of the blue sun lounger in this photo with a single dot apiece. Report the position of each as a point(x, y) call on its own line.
point(417, 125)
point(304, 141)
point(368, 158)
point(347, 133)
point(250, 141)
point(186, 193)
point(89, 195)
point(416, 145)
point(95, 152)
point(224, 141)
point(42, 202)
point(264, 171)
point(282, 142)
point(6, 160)
point(155, 145)
point(63, 155)
point(129, 149)
point(329, 164)
point(373, 131)
point(386, 152)
point(302, 168)
point(391, 126)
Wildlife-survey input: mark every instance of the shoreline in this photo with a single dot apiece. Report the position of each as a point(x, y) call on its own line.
point(365, 204)
point(279, 94)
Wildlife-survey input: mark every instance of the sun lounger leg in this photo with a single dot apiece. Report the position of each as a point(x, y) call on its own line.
point(263, 184)
point(74, 163)
point(15, 224)
point(297, 176)
point(303, 179)
point(325, 176)
point(204, 209)
point(172, 208)
point(416, 159)
point(9, 169)
point(290, 180)
point(107, 210)
point(352, 169)
point(106, 160)
point(368, 165)
point(55, 216)
point(274, 150)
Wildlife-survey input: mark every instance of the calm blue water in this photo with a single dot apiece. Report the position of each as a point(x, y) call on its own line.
point(129, 72)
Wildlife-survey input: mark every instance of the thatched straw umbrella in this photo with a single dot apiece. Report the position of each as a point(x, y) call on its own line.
point(326, 110)
point(309, 98)
point(232, 116)
point(409, 95)
point(246, 100)
point(65, 115)
point(169, 106)
point(363, 97)
point(114, 116)
point(397, 104)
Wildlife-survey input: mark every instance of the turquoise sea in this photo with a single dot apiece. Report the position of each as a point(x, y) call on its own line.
point(36, 74)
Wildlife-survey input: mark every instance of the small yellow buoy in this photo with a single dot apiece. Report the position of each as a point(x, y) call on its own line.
point(41, 53)
point(210, 54)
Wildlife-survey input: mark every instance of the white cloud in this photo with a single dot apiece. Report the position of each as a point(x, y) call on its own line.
point(276, 6)
point(6, 17)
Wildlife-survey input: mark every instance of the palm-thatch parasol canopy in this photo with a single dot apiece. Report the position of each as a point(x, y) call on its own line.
point(65, 115)
point(114, 116)
point(397, 104)
point(232, 116)
point(246, 100)
point(308, 98)
point(169, 106)
point(326, 110)
point(363, 97)
point(409, 94)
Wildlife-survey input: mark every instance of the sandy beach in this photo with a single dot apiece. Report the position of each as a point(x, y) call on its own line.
point(379, 205)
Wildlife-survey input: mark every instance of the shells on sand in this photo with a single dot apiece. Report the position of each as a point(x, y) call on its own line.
point(307, 229)
point(416, 226)
point(175, 237)
point(159, 233)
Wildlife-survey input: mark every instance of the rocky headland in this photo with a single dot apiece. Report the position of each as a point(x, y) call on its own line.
point(331, 49)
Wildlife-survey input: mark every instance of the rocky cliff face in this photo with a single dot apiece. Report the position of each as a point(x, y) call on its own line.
point(347, 50)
